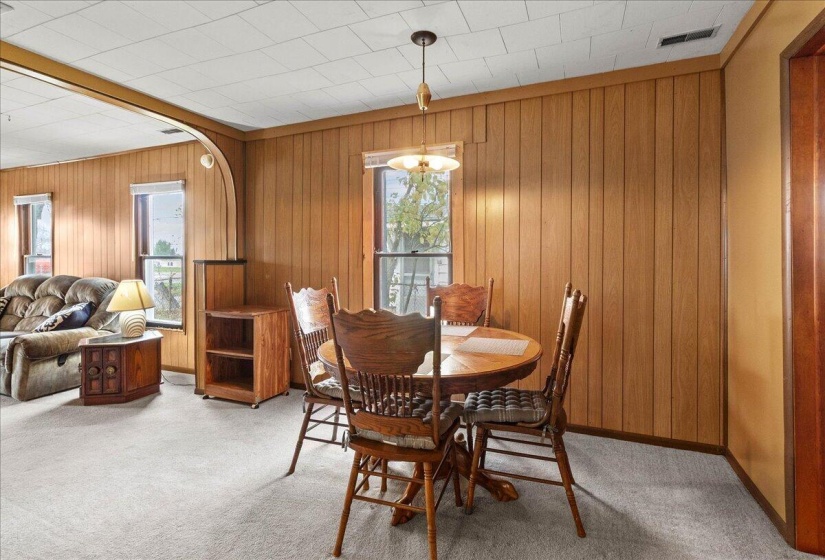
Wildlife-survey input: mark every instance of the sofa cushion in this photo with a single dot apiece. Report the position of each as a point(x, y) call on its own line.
point(25, 285)
point(45, 306)
point(72, 317)
point(92, 290)
point(56, 286)
point(21, 293)
point(103, 319)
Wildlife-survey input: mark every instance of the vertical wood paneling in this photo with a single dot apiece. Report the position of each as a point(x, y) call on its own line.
point(613, 258)
point(494, 207)
point(92, 210)
point(595, 303)
point(685, 254)
point(512, 214)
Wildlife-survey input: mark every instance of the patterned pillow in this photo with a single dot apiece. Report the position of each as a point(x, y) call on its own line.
point(70, 318)
point(4, 301)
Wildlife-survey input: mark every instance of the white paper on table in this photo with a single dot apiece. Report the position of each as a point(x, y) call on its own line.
point(482, 345)
point(426, 367)
point(457, 330)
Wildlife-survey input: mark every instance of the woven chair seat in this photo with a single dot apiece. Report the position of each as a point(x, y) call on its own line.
point(331, 387)
point(504, 405)
point(421, 408)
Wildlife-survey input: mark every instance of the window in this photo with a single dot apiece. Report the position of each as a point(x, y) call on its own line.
point(412, 237)
point(159, 216)
point(35, 218)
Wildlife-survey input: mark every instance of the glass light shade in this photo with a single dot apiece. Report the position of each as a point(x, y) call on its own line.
point(131, 295)
point(422, 163)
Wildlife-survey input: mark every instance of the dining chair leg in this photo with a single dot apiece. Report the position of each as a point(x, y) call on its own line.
point(454, 470)
point(471, 487)
point(429, 503)
point(353, 477)
point(561, 458)
point(565, 461)
point(335, 427)
point(470, 438)
point(301, 435)
point(483, 460)
point(383, 478)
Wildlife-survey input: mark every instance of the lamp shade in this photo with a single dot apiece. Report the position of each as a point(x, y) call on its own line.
point(131, 295)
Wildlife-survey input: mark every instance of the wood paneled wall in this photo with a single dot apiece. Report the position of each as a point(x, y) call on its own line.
point(617, 189)
point(93, 219)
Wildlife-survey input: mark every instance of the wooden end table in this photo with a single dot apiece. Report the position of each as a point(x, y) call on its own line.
point(115, 369)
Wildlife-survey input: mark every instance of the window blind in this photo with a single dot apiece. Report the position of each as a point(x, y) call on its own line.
point(157, 188)
point(32, 199)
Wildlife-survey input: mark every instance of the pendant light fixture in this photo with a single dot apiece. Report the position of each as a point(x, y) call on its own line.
point(423, 162)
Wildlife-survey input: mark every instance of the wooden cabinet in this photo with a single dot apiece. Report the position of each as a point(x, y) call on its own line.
point(114, 369)
point(246, 353)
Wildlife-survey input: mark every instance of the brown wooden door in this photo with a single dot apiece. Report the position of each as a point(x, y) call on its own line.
point(807, 105)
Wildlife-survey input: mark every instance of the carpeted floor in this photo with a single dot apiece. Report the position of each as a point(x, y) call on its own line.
point(174, 476)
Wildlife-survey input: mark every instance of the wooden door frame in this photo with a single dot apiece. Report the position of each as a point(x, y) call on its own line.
point(813, 33)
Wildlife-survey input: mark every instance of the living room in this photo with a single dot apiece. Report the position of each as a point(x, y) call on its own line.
point(209, 209)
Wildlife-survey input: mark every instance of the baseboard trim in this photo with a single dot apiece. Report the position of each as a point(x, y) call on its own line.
point(177, 369)
point(648, 440)
point(760, 498)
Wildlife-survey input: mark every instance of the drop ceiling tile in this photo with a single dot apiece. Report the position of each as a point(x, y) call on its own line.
point(690, 21)
point(733, 12)
point(187, 103)
point(564, 53)
point(305, 80)
point(21, 97)
point(295, 54)
point(238, 68)
point(236, 34)
point(173, 15)
point(466, 70)
point(279, 21)
point(348, 92)
point(642, 57)
point(437, 53)
point(387, 85)
point(135, 65)
point(454, 90)
point(343, 71)
point(592, 66)
point(123, 20)
point(435, 78)
point(376, 8)
point(599, 18)
point(87, 32)
point(41, 89)
point(547, 74)
point(161, 53)
point(103, 70)
point(316, 113)
point(624, 40)
point(537, 9)
point(52, 44)
point(384, 102)
point(532, 34)
point(497, 82)
point(326, 15)
point(510, 64)
point(232, 117)
point(442, 19)
point(477, 45)
point(209, 98)
point(8, 76)
point(196, 45)
point(701, 5)
point(258, 89)
point(644, 11)
point(81, 105)
point(383, 32)
point(22, 17)
point(56, 9)
point(337, 43)
point(313, 99)
point(157, 86)
point(7, 104)
point(489, 14)
point(385, 62)
point(189, 78)
point(219, 9)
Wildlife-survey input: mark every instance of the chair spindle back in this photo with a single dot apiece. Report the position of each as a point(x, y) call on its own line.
point(567, 338)
point(462, 304)
point(386, 350)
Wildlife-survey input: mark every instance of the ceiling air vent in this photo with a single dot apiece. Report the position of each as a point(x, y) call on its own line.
point(171, 131)
point(690, 36)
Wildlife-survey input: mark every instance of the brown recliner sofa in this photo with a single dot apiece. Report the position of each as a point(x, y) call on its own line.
point(36, 364)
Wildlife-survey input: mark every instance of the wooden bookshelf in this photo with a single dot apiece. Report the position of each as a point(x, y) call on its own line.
point(246, 354)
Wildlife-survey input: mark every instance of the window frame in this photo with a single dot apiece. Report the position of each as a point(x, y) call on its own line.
point(376, 159)
point(143, 251)
point(26, 224)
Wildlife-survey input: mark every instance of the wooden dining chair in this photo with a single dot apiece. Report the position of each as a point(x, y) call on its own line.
point(310, 323)
point(538, 414)
point(394, 420)
point(462, 304)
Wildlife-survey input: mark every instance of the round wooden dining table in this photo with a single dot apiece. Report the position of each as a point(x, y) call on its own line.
point(462, 373)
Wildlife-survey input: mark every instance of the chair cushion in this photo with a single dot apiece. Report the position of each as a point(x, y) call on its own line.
point(421, 408)
point(72, 317)
point(504, 405)
point(331, 387)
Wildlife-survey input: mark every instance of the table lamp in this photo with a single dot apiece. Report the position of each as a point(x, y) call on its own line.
point(130, 299)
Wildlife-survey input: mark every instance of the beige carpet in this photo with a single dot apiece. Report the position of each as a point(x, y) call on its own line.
point(174, 476)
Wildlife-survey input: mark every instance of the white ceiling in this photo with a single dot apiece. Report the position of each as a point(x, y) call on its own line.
point(255, 64)
point(42, 123)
